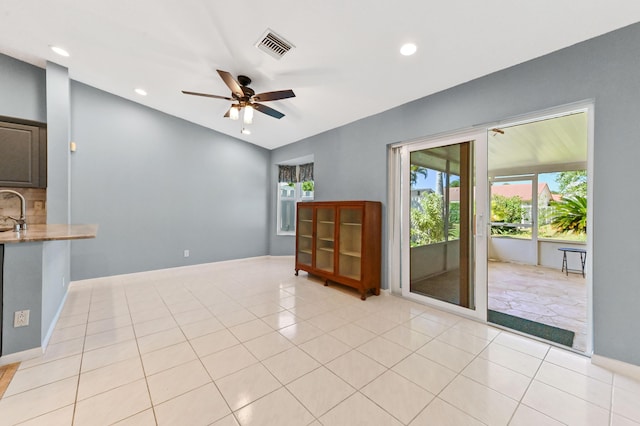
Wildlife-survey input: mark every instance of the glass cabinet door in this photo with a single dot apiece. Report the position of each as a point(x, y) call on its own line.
point(325, 237)
point(305, 235)
point(350, 242)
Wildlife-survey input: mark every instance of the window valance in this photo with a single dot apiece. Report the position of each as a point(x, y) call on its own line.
point(292, 174)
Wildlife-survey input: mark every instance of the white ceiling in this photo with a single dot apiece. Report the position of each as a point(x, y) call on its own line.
point(346, 64)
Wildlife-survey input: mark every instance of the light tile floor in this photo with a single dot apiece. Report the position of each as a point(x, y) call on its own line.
point(247, 342)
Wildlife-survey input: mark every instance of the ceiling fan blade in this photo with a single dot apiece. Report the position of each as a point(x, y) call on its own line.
point(206, 95)
point(231, 83)
point(274, 96)
point(267, 110)
point(226, 115)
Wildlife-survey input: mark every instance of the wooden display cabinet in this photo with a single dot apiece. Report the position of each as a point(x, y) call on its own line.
point(340, 241)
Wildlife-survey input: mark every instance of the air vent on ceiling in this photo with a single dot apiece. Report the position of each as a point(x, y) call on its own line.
point(273, 44)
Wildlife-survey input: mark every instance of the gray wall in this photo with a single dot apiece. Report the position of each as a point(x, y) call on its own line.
point(157, 185)
point(350, 162)
point(22, 290)
point(23, 90)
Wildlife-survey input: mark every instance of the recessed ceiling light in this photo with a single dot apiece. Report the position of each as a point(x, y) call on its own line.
point(60, 51)
point(408, 49)
point(141, 92)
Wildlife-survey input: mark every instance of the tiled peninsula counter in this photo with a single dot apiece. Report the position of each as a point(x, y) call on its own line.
point(35, 276)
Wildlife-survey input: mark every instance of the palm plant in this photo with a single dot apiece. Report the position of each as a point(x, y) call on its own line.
point(415, 171)
point(571, 214)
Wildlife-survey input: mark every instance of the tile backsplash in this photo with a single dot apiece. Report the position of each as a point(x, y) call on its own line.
point(36, 199)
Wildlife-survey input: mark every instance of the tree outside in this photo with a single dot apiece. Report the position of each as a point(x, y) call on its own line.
point(506, 210)
point(572, 183)
point(415, 171)
point(427, 221)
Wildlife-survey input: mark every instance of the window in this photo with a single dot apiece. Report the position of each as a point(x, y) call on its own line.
point(290, 193)
point(562, 214)
point(561, 206)
point(511, 206)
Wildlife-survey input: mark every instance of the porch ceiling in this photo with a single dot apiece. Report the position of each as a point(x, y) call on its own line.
point(551, 145)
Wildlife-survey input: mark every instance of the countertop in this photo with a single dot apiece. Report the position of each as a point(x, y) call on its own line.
point(53, 232)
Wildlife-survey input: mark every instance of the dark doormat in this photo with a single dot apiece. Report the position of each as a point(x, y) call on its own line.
point(547, 332)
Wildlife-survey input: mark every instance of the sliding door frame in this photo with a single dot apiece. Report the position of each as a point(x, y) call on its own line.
point(398, 219)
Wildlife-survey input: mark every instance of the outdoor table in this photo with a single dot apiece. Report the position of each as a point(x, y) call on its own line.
point(583, 259)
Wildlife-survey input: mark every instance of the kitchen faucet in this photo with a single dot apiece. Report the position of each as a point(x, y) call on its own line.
point(21, 223)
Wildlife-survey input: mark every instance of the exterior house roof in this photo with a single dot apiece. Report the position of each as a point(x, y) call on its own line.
point(521, 190)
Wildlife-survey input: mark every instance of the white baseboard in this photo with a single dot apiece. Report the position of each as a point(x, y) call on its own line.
point(174, 268)
point(620, 367)
point(21, 356)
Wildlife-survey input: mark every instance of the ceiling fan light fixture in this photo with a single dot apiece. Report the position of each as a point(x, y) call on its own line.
point(234, 112)
point(246, 99)
point(248, 114)
point(245, 131)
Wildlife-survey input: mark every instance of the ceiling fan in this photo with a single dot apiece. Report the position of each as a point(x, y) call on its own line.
point(245, 98)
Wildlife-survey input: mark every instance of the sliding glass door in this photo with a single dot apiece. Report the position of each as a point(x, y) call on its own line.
point(444, 205)
point(458, 200)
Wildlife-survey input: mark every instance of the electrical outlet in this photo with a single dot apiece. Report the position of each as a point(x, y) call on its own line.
point(186, 253)
point(21, 318)
point(38, 205)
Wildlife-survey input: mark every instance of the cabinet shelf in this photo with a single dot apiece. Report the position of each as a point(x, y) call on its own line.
point(330, 250)
point(326, 239)
point(304, 251)
point(351, 224)
point(351, 253)
point(306, 220)
point(305, 236)
point(327, 222)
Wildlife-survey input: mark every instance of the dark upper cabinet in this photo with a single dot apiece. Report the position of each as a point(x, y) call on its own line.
point(23, 154)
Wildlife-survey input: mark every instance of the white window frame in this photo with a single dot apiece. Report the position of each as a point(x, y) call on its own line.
point(299, 196)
